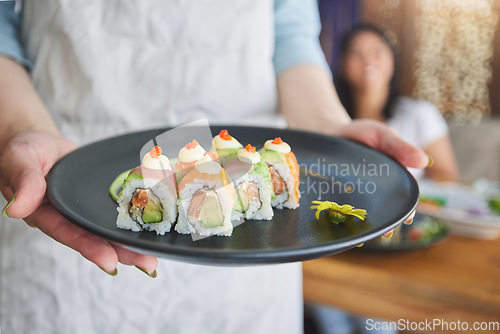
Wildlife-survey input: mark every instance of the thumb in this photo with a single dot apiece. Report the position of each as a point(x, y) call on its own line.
point(408, 155)
point(24, 162)
point(21, 174)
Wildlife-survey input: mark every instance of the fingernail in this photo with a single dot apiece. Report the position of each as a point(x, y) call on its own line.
point(152, 275)
point(112, 273)
point(408, 222)
point(431, 161)
point(388, 235)
point(4, 211)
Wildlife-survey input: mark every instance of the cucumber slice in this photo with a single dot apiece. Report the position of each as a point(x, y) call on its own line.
point(116, 185)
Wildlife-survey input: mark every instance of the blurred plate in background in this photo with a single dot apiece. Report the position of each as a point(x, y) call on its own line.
point(424, 232)
point(470, 210)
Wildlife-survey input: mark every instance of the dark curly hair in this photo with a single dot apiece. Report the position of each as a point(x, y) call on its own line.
point(343, 87)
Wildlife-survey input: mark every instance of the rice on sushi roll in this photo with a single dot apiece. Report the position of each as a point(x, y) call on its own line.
point(206, 199)
point(224, 145)
point(250, 176)
point(148, 197)
point(284, 171)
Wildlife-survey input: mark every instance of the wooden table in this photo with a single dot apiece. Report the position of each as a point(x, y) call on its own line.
point(457, 279)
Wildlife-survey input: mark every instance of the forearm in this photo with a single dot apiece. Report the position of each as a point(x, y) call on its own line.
point(308, 100)
point(20, 106)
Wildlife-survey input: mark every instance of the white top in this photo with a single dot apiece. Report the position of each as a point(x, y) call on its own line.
point(418, 122)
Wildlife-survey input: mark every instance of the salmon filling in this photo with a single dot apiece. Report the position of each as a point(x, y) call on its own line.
point(250, 197)
point(145, 207)
point(279, 185)
point(205, 208)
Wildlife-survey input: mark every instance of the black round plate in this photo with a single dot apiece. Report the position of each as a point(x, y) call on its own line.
point(333, 169)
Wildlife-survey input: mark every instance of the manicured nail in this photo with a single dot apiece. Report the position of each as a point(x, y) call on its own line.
point(360, 245)
point(431, 161)
point(4, 211)
point(113, 273)
point(408, 222)
point(152, 275)
point(388, 235)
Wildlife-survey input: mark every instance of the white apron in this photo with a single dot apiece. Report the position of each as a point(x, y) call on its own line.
point(107, 67)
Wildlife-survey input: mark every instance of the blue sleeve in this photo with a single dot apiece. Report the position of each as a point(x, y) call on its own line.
point(10, 44)
point(297, 27)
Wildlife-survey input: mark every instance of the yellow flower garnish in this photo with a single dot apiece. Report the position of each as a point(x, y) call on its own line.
point(337, 212)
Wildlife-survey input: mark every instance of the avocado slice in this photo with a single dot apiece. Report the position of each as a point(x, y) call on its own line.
point(211, 212)
point(272, 156)
point(243, 194)
point(243, 198)
point(152, 212)
point(238, 205)
point(226, 152)
point(262, 169)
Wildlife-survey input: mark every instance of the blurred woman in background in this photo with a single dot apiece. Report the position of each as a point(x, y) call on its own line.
point(367, 87)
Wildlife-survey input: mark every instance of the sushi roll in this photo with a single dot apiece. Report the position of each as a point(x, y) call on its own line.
point(224, 145)
point(206, 199)
point(284, 171)
point(148, 197)
point(252, 181)
point(187, 158)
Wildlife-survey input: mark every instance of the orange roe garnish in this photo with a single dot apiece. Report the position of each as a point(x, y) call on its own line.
point(155, 152)
point(212, 156)
point(225, 135)
point(250, 149)
point(277, 141)
point(191, 145)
